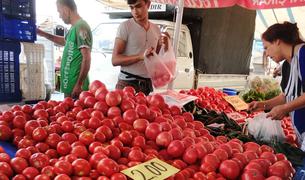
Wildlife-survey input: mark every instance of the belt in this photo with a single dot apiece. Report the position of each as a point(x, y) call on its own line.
point(129, 75)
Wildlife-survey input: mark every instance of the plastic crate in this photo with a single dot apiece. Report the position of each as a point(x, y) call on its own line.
point(20, 9)
point(32, 72)
point(17, 29)
point(9, 72)
point(9, 148)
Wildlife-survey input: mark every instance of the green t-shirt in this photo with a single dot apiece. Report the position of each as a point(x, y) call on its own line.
point(79, 36)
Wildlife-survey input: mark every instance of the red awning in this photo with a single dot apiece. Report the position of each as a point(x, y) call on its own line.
point(249, 4)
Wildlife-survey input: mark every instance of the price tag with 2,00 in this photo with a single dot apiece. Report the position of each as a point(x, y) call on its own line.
point(154, 169)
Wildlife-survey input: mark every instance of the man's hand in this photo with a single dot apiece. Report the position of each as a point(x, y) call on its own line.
point(40, 32)
point(149, 52)
point(278, 112)
point(76, 90)
point(165, 40)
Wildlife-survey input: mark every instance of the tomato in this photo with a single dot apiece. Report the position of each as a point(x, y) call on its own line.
point(278, 170)
point(176, 148)
point(152, 131)
point(18, 177)
point(115, 152)
point(96, 84)
point(86, 137)
point(90, 101)
point(250, 155)
point(24, 153)
point(5, 133)
point(48, 170)
point(63, 167)
point(176, 133)
point(107, 167)
point(42, 177)
point(125, 137)
point(164, 139)
point(252, 174)
point(53, 139)
point(140, 125)
point(139, 141)
point(127, 104)
point(212, 160)
point(118, 176)
point(4, 157)
point(130, 116)
point(229, 169)
point(269, 155)
point(39, 134)
point(113, 98)
point(63, 148)
point(30, 172)
point(106, 131)
point(18, 164)
point(19, 121)
point(69, 137)
point(62, 177)
point(80, 151)
point(190, 155)
point(113, 112)
point(136, 155)
point(227, 148)
point(39, 160)
point(252, 146)
point(221, 154)
point(81, 167)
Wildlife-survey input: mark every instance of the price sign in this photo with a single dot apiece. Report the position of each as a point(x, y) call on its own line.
point(154, 169)
point(236, 102)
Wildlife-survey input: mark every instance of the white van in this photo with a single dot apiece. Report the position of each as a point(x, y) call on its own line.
point(101, 68)
point(104, 36)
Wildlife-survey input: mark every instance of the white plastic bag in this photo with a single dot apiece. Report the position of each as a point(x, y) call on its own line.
point(157, 70)
point(265, 129)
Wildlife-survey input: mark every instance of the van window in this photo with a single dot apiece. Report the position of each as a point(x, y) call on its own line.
point(104, 36)
point(182, 48)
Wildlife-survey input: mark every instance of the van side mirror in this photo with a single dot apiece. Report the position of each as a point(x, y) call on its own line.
point(60, 30)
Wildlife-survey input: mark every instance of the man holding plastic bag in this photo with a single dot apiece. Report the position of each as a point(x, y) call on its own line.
point(282, 42)
point(134, 37)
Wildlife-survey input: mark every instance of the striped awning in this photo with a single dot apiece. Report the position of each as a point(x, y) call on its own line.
point(267, 17)
point(249, 4)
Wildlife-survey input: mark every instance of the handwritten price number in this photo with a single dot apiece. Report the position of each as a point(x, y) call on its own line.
point(154, 169)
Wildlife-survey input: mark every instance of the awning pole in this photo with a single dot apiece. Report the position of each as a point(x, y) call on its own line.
point(177, 33)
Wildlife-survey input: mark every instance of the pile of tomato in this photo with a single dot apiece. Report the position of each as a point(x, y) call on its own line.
point(212, 99)
point(105, 132)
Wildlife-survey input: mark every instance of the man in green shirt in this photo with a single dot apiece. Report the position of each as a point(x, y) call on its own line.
point(76, 56)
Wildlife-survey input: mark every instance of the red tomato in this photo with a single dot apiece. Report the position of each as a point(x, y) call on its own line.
point(63, 148)
point(53, 139)
point(113, 98)
point(140, 125)
point(81, 167)
point(39, 160)
point(63, 167)
point(221, 154)
point(164, 139)
point(80, 151)
point(269, 155)
point(107, 167)
point(176, 148)
point(30, 172)
point(18, 164)
point(86, 137)
point(96, 84)
point(252, 174)
point(130, 116)
point(136, 155)
point(5, 133)
point(39, 134)
point(113, 112)
point(62, 177)
point(229, 169)
point(190, 155)
point(152, 131)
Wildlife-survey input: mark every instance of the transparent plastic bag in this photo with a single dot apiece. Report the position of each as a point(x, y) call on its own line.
point(265, 129)
point(157, 70)
point(168, 58)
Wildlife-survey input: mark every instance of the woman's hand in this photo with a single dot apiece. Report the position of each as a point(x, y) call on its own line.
point(256, 106)
point(278, 112)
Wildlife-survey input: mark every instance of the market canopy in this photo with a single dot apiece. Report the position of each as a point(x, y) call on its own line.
point(249, 4)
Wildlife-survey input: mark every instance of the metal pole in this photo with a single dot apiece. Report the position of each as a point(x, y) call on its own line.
point(178, 23)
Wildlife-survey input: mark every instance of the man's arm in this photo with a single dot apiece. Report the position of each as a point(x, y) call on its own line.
point(118, 59)
point(84, 70)
point(56, 39)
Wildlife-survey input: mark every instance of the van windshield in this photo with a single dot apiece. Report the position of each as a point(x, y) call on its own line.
point(104, 36)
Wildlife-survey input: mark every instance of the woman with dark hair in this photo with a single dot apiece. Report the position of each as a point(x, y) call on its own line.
point(282, 42)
